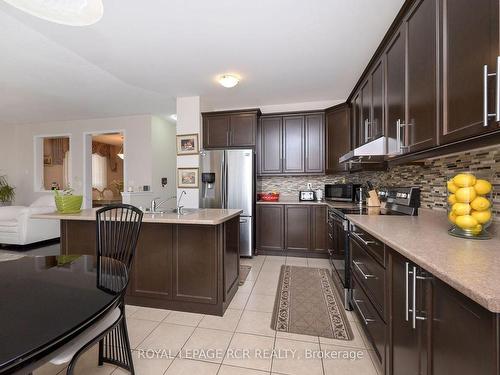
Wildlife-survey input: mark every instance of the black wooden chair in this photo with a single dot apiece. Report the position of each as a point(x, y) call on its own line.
point(118, 228)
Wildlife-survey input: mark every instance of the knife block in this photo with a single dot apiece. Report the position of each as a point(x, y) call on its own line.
point(372, 200)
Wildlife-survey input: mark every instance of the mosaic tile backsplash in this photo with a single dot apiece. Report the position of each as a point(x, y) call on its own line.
point(430, 176)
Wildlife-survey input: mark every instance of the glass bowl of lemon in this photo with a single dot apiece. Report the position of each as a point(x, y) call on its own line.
point(469, 204)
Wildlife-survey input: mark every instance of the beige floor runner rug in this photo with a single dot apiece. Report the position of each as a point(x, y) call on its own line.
point(307, 303)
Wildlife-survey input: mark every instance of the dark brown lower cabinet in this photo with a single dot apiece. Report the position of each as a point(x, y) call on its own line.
point(294, 229)
point(149, 256)
point(297, 228)
point(195, 272)
point(465, 336)
point(320, 228)
point(408, 331)
point(371, 322)
point(270, 227)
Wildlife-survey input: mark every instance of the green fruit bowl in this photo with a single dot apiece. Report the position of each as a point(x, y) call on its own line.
point(69, 204)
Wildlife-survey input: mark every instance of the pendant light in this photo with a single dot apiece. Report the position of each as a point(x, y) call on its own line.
point(65, 12)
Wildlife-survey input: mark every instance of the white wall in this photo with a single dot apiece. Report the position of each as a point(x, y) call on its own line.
point(7, 152)
point(163, 135)
point(189, 122)
point(137, 137)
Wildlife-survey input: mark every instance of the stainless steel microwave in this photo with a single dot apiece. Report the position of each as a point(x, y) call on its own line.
point(342, 192)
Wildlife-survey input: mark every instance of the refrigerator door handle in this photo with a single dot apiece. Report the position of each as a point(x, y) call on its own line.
point(225, 183)
point(223, 193)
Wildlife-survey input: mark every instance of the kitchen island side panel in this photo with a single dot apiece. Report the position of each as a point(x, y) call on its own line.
point(192, 268)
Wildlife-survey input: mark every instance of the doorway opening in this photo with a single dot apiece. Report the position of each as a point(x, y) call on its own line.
point(107, 170)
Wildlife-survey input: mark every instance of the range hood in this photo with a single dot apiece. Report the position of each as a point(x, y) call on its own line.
point(370, 156)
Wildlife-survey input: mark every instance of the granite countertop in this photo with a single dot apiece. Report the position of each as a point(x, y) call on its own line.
point(294, 201)
point(470, 266)
point(312, 203)
point(205, 216)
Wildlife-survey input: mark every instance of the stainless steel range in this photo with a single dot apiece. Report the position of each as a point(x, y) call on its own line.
point(395, 201)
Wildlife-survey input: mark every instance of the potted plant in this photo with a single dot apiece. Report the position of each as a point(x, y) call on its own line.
point(7, 193)
point(67, 202)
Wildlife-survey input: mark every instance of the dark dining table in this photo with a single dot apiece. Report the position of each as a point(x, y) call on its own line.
point(45, 302)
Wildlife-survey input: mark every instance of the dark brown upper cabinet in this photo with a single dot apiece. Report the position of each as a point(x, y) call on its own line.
point(315, 143)
point(230, 129)
point(470, 41)
point(366, 113)
point(215, 131)
point(421, 69)
point(356, 127)
point(376, 124)
point(269, 150)
point(291, 144)
point(338, 136)
point(395, 94)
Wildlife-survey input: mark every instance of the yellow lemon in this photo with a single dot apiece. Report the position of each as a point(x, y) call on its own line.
point(466, 194)
point(482, 217)
point(466, 222)
point(477, 229)
point(452, 188)
point(464, 180)
point(482, 187)
point(480, 204)
point(452, 217)
point(460, 209)
point(452, 199)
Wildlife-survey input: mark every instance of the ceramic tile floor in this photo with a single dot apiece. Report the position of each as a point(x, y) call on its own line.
point(230, 345)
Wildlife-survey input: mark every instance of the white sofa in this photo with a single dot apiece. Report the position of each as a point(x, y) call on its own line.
point(17, 227)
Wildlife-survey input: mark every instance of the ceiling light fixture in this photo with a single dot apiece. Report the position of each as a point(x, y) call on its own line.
point(65, 12)
point(228, 80)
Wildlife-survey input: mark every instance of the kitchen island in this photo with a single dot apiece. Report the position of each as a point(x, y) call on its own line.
point(184, 262)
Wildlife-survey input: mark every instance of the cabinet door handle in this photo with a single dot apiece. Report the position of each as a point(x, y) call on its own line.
point(486, 114)
point(366, 276)
point(358, 237)
point(497, 91)
point(365, 319)
point(414, 299)
point(407, 282)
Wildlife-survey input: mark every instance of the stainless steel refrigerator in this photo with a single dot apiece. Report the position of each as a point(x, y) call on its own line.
point(227, 181)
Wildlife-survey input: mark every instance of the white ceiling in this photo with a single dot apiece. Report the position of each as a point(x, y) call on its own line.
point(143, 54)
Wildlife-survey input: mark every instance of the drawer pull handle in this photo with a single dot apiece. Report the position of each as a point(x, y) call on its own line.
point(366, 276)
point(365, 319)
point(366, 243)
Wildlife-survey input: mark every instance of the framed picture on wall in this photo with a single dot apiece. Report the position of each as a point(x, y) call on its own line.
point(187, 144)
point(187, 178)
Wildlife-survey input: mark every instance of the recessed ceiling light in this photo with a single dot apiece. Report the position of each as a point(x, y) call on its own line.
point(174, 117)
point(72, 13)
point(228, 80)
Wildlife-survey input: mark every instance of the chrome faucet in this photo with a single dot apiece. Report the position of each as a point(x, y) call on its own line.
point(179, 208)
point(155, 204)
